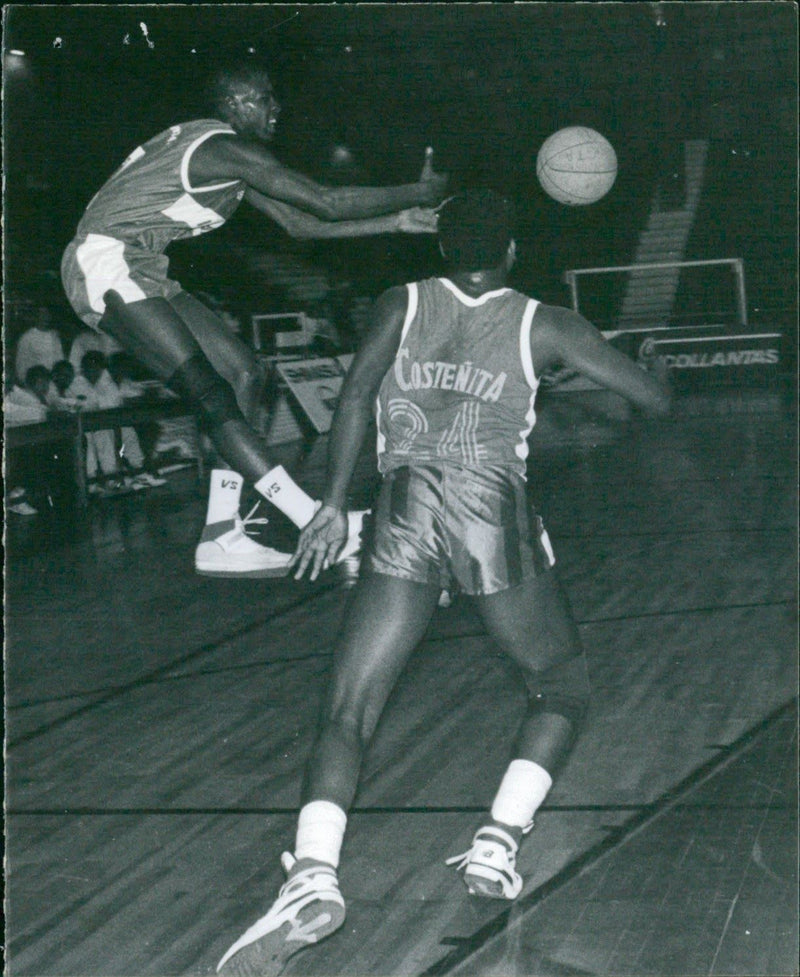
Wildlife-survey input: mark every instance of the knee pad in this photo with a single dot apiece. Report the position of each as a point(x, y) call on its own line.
point(200, 384)
point(562, 689)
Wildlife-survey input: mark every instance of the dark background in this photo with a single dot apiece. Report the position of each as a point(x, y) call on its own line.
point(485, 84)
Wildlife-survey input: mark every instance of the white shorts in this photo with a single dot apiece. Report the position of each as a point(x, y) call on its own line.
point(96, 263)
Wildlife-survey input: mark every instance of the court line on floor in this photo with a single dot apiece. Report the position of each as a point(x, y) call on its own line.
point(688, 481)
point(672, 533)
point(721, 608)
point(466, 947)
point(157, 677)
point(181, 677)
point(157, 674)
point(111, 812)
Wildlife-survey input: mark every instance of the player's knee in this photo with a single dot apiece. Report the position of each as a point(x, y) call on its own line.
point(250, 390)
point(563, 689)
point(199, 384)
point(354, 723)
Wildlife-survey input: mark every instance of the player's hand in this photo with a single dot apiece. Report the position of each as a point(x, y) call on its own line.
point(435, 182)
point(320, 542)
point(418, 220)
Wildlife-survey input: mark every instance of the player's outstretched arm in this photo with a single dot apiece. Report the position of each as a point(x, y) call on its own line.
point(561, 336)
point(227, 157)
point(304, 226)
point(324, 536)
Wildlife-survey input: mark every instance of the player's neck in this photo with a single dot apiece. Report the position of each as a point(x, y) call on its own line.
point(475, 283)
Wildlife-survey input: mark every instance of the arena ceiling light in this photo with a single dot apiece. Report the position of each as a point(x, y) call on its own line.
point(16, 63)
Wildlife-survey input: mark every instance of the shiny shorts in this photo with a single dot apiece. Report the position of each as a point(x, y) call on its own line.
point(93, 264)
point(446, 525)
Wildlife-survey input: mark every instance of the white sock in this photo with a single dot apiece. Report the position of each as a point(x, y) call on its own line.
point(223, 497)
point(279, 488)
point(521, 793)
point(320, 832)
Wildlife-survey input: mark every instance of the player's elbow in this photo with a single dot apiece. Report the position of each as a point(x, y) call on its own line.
point(327, 206)
point(357, 397)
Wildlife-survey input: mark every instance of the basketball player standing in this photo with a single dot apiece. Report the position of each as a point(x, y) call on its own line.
point(454, 364)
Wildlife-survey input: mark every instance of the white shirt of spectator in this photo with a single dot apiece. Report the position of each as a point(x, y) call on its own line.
point(87, 340)
point(37, 347)
point(20, 406)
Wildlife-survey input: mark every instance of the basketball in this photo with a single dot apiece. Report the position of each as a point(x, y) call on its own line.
point(576, 166)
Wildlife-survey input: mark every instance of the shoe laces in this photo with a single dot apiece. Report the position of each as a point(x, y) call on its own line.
point(490, 835)
point(460, 861)
point(250, 521)
point(315, 878)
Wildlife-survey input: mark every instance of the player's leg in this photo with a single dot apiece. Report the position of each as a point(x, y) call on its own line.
point(502, 556)
point(152, 330)
point(125, 291)
point(533, 624)
point(233, 359)
point(386, 619)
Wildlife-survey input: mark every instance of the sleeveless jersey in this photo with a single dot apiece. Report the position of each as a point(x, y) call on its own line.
point(150, 202)
point(462, 386)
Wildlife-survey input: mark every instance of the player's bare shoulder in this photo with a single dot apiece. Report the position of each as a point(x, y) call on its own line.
point(555, 331)
point(562, 337)
point(387, 317)
point(557, 319)
point(392, 302)
point(227, 155)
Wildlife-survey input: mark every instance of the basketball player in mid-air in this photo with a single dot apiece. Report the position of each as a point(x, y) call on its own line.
point(453, 364)
point(185, 181)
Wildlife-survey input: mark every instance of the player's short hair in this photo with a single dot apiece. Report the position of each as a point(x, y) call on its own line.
point(231, 78)
point(475, 229)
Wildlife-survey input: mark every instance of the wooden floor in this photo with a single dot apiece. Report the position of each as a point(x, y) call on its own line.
point(157, 724)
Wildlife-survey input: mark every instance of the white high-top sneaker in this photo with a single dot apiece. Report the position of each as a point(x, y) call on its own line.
point(225, 549)
point(490, 864)
point(309, 908)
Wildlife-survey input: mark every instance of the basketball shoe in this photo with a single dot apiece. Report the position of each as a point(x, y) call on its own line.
point(226, 550)
point(309, 907)
point(490, 864)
